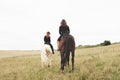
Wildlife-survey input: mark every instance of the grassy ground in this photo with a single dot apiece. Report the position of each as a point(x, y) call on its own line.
point(99, 63)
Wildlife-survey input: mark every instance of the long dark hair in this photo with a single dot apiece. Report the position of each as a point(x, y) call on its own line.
point(63, 23)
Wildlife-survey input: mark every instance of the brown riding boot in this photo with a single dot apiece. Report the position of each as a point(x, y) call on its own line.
point(58, 46)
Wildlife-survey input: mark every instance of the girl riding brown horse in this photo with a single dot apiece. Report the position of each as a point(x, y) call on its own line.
point(66, 45)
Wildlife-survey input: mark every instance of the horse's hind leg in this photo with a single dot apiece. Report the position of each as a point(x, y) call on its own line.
point(42, 64)
point(73, 61)
point(68, 59)
point(62, 62)
point(49, 63)
point(62, 66)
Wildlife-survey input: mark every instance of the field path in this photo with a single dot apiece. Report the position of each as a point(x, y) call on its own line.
point(16, 53)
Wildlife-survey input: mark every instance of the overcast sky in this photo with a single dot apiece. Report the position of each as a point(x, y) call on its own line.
point(23, 23)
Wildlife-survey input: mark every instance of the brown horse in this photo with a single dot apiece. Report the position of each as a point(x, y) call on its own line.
point(67, 46)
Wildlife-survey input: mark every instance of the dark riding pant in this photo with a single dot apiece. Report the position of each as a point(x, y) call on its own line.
point(51, 47)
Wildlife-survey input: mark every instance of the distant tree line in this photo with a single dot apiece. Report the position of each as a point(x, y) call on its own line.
point(105, 43)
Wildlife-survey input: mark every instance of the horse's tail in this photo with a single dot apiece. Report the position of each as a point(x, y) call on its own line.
point(67, 45)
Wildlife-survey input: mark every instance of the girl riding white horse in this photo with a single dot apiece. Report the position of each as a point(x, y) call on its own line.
point(46, 55)
point(47, 50)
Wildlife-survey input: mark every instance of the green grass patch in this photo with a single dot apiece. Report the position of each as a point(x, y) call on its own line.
point(100, 63)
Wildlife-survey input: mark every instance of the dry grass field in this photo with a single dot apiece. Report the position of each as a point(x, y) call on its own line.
point(99, 63)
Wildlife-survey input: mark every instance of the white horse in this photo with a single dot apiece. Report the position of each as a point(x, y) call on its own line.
point(46, 54)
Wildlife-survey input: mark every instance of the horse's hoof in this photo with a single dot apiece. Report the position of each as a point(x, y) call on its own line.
point(70, 71)
point(62, 71)
point(48, 65)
